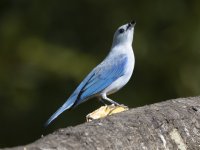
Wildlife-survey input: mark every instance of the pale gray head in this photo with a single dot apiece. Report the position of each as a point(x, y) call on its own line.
point(124, 34)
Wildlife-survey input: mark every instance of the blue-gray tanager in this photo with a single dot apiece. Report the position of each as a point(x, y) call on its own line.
point(109, 76)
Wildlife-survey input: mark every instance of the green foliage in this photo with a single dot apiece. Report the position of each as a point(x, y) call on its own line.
point(47, 48)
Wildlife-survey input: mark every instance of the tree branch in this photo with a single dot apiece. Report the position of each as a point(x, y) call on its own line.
point(173, 124)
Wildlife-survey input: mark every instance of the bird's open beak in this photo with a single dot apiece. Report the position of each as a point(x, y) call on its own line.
point(131, 24)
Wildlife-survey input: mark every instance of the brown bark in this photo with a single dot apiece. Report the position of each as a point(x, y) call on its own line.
point(173, 124)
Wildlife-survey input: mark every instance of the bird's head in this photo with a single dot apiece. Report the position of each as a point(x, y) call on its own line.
point(124, 34)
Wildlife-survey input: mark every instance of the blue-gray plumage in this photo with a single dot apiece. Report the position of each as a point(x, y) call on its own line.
point(109, 76)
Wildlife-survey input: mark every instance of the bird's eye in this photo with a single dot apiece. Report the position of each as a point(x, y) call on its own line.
point(121, 30)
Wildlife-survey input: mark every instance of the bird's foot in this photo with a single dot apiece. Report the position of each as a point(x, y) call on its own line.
point(120, 105)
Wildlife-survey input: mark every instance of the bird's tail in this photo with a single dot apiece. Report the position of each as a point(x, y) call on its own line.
point(71, 102)
point(67, 105)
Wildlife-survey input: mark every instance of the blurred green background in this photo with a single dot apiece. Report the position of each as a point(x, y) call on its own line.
point(48, 47)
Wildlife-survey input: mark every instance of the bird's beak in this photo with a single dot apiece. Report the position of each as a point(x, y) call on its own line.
point(131, 24)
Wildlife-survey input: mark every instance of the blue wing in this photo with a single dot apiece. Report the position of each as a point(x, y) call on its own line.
point(100, 78)
point(103, 76)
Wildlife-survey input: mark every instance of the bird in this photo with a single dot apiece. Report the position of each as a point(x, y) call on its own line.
point(109, 76)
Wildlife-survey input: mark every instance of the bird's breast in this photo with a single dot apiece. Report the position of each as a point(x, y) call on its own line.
point(130, 64)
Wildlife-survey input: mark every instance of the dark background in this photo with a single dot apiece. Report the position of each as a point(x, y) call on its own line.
point(47, 47)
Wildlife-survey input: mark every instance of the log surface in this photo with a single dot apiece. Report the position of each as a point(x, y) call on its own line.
point(172, 124)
